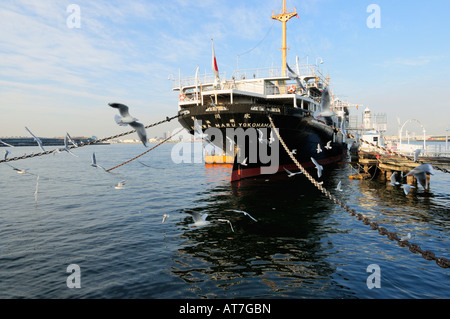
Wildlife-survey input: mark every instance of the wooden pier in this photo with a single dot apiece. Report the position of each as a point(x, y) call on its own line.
point(384, 165)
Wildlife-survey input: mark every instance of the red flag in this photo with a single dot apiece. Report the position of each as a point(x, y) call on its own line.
point(214, 62)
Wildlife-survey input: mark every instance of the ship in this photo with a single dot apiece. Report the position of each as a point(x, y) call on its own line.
point(233, 114)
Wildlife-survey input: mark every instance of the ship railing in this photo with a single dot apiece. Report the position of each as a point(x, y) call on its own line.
point(306, 71)
point(200, 80)
point(280, 11)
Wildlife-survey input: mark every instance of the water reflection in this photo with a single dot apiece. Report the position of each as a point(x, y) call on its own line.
point(283, 252)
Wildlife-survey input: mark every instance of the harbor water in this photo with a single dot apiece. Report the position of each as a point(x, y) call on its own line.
point(302, 245)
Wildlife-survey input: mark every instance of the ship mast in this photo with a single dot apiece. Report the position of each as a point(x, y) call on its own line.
point(284, 17)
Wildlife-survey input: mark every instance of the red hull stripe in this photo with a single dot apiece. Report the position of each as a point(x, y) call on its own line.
point(256, 171)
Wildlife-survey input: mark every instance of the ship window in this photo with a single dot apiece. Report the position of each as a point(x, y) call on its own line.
point(375, 138)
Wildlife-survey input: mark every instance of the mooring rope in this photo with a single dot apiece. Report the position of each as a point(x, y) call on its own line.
point(428, 255)
point(151, 149)
point(168, 119)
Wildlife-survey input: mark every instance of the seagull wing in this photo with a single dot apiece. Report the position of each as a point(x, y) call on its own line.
point(71, 140)
point(6, 143)
point(197, 217)
point(421, 178)
point(123, 109)
point(416, 154)
point(141, 132)
point(36, 139)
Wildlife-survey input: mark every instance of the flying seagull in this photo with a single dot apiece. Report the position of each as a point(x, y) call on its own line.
point(120, 185)
point(421, 172)
point(231, 143)
point(66, 146)
point(290, 174)
point(242, 212)
point(199, 131)
point(226, 220)
point(261, 138)
point(393, 179)
point(328, 146)
point(71, 140)
point(339, 188)
point(318, 167)
point(7, 153)
point(4, 143)
point(406, 188)
point(165, 216)
point(416, 154)
point(128, 119)
point(318, 148)
point(244, 162)
point(94, 162)
point(296, 77)
point(408, 236)
point(199, 219)
point(36, 139)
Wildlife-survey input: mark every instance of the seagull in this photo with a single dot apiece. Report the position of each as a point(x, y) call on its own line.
point(231, 143)
point(294, 152)
point(318, 149)
point(328, 146)
point(242, 212)
point(71, 140)
point(165, 216)
point(406, 188)
point(7, 153)
point(339, 187)
point(318, 167)
point(271, 138)
point(36, 139)
point(244, 162)
point(261, 138)
point(199, 219)
point(200, 134)
point(416, 154)
point(94, 162)
point(421, 172)
point(6, 143)
point(290, 174)
point(66, 146)
point(393, 179)
point(120, 185)
point(20, 171)
point(294, 76)
point(128, 119)
point(226, 220)
point(403, 238)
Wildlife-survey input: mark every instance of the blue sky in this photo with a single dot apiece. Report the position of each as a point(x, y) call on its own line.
point(55, 79)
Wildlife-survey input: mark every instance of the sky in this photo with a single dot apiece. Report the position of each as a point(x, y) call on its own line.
point(58, 75)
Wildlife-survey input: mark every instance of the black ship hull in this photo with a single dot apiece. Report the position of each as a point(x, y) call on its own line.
point(301, 132)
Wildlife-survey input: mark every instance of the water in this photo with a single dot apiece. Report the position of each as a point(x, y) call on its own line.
point(303, 246)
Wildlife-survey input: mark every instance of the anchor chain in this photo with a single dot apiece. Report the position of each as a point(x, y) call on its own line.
point(168, 119)
point(428, 255)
